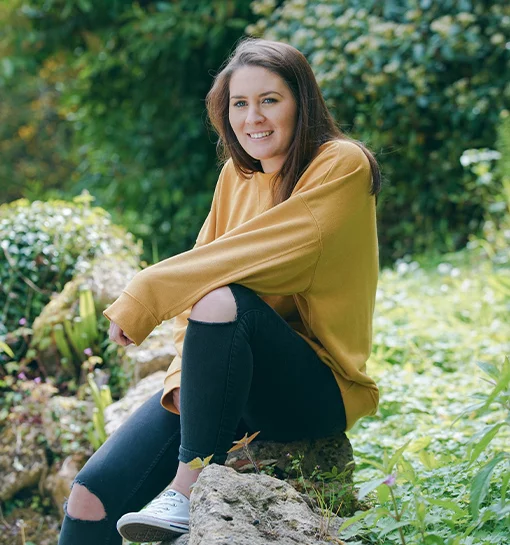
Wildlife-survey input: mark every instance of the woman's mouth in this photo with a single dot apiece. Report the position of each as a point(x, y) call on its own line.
point(260, 135)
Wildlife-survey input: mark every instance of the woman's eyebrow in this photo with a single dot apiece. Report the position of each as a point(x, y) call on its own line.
point(261, 94)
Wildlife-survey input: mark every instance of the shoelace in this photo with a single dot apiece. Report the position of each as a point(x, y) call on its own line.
point(164, 502)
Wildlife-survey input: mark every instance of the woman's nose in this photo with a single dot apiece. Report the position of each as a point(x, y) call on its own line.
point(254, 116)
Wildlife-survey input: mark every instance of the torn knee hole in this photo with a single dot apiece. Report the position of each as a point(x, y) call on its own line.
point(83, 505)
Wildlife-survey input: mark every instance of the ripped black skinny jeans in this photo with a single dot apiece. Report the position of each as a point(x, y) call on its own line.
point(252, 374)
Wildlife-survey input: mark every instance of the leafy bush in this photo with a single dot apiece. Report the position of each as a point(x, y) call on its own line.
point(419, 81)
point(44, 245)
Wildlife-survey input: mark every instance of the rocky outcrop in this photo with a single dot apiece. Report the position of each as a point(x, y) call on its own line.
point(229, 508)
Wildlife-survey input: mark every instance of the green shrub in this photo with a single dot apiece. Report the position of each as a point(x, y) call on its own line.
point(44, 245)
point(419, 81)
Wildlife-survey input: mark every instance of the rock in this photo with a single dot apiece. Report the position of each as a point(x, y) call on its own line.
point(22, 459)
point(66, 422)
point(326, 453)
point(156, 353)
point(229, 508)
point(118, 412)
point(58, 483)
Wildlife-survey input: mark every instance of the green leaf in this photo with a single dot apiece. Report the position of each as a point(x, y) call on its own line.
point(481, 482)
point(7, 349)
point(482, 443)
point(428, 460)
point(357, 517)
point(433, 539)
point(396, 457)
point(419, 444)
point(383, 493)
point(447, 504)
point(490, 369)
point(394, 526)
point(369, 486)
point(372, 463)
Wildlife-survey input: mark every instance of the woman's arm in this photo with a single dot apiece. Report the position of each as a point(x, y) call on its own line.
point(274, 253)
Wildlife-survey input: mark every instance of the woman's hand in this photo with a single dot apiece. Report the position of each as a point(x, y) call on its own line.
point(118, 336)
point(176, 398)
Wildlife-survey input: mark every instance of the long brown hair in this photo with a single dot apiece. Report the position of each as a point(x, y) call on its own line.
point(314, 123)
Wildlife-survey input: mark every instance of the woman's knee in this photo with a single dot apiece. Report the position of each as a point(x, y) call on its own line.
point(218, 305)
point(84, 505)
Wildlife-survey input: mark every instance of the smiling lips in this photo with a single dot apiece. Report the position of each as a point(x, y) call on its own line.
point(259, 135)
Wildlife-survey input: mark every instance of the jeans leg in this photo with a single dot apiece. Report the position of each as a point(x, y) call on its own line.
point(257, 370)
point(132, 467)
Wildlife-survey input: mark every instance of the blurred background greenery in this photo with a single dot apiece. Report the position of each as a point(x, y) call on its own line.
point(108, 164)
point(109, 97)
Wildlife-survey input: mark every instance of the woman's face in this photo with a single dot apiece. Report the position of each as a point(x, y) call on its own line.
point(262, 114)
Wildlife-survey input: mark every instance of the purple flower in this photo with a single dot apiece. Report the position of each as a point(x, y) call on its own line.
point(23, 321)
point(88, 351)
point(390, 480)
point(37, 380)
point(22, 376)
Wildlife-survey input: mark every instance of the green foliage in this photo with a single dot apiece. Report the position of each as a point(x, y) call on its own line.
point(498, 399)
point(132, 79)
point(419, 82)
point(448, 483)
point(102, 398)
point(44, 244)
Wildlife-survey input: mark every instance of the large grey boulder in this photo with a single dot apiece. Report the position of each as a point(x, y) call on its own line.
point(228, 508)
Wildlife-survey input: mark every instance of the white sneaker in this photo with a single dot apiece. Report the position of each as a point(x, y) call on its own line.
point(163, 518)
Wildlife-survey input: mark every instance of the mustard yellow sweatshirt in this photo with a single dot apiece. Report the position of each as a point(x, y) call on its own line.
point(313, 258)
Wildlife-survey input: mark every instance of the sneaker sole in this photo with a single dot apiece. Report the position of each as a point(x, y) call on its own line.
point(143, 532)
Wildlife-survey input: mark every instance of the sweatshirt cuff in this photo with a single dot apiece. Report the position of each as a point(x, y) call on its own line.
point(132, 317)
point(172, 382)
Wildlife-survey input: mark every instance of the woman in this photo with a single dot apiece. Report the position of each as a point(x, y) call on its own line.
point(273, 305)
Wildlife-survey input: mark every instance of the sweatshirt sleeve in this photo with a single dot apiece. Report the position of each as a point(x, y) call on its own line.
point(274, 253)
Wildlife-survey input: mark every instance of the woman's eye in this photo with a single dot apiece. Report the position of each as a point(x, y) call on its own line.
point(241, 103)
